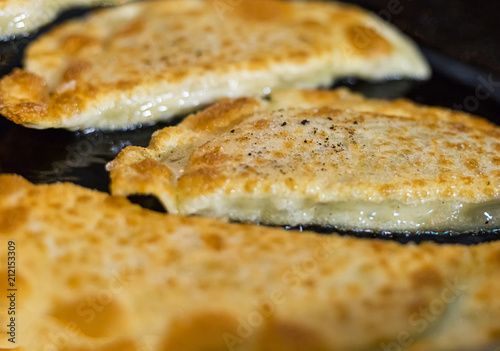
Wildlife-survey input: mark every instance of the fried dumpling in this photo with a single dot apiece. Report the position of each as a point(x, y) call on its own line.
point(323, 158)
point(94, 272)
point(21, 17)
point(149, 61)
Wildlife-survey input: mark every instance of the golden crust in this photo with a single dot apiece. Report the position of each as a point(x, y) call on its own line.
point(149, 61)
point(94, 272)
point(21, 17)
point(306, 154)
point(23, 94)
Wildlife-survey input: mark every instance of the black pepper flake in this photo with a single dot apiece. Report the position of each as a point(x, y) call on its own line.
point(305, 141)
point(355, 122)
point(284, 124)
point(332, 127)
point(304, 122)
point(330, 118)
point(249, 154)
point(232, 131)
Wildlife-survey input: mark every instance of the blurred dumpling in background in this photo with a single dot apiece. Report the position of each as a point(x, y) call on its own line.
point(21, 17)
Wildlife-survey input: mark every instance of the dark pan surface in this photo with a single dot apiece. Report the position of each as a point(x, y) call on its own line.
point(49, 156)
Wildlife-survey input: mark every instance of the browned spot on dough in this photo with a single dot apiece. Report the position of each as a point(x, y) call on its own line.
point(131, 28)
point(107, 320)
point(488, 191)
point(147, 165)
point(419, 182)
point(314, 26)
point(471, 164)
point(204, 331)
point(367, 41)
point(71, 102)
point(125, 84)
point(443, 161)
point(467, 180)
point(459, 127)
point(116, 201)
point(214, 241)
point(76, 42)
point(287, 336)
point(494, 333)
point(289, 145)
point(417, 305)
point(426, 276)
point(200, 181)
point(210, 158)
point(75, 70)
point(251, 186)
point(265, 11)
point(290, 183)
point(494, 258)
point(261, 124)
point(12, 218)
point(387, 189)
